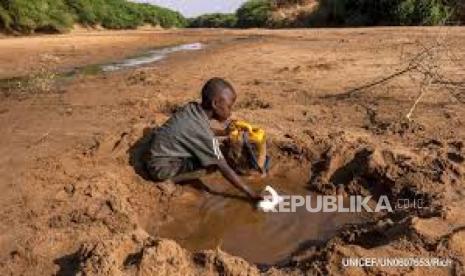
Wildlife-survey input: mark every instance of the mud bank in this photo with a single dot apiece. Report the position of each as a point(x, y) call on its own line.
point(75, 199)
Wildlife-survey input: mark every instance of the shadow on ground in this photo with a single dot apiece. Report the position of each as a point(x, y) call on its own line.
point(69, 264)
point(139, 151)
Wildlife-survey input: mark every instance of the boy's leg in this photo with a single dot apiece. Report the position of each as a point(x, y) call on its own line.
point(187, 176)
point(176, 169)
point(190, 170)
point(161, 169)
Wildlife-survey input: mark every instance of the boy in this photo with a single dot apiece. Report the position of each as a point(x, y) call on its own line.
point(186, 143)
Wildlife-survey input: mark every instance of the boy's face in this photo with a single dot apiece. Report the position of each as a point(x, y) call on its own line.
point(222, 105)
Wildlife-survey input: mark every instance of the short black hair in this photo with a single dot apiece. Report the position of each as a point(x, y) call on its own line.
point(211, 89)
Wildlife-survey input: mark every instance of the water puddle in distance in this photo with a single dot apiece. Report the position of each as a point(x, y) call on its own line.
point(199, 221)
point(148, 57)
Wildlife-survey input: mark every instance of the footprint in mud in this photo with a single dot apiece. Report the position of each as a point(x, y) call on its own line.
point(455, 154)
point(296, 69)
point(456, 145)
point(456, 157)
point(283, 69)
point(320, 66)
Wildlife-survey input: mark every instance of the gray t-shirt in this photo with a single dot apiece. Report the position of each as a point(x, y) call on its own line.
point(187, 134)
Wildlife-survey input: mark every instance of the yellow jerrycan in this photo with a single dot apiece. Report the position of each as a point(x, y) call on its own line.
point(256, 138)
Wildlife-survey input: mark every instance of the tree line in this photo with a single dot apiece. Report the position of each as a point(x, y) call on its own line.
point(56, 16)
point(260, 13)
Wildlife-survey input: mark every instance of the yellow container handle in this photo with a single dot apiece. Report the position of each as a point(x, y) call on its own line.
point(243, 125)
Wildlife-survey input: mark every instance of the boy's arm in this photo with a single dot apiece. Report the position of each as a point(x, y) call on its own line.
point(235, 180)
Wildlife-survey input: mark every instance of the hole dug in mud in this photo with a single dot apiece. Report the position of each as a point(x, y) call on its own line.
point(200, 220)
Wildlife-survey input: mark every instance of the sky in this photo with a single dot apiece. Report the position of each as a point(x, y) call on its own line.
point(191, 8)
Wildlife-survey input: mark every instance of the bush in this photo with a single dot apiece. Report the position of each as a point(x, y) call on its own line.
point(214, 20)
point(423, 12)
point(29, 16)
point(88, 12)
point(257, 13)
point(459, 12)
point(5, 19)
point(120, 14)
point(254, 13)
point(39, 15)
point(380, 12)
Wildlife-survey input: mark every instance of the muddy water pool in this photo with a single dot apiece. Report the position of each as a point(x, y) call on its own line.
point(201, 220)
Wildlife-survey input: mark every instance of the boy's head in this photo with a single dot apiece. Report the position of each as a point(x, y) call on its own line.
point(218, 96)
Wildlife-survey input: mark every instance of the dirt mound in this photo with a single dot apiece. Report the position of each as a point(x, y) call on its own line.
point(361, 166)
point(140, 254)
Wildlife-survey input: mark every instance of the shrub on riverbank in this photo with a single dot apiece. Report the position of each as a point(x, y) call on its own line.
point(26, 16)
point(214, 20)
point(421, 12)
point(5, 19)
point(40, 15)
point(254, 13)
point(120, 14)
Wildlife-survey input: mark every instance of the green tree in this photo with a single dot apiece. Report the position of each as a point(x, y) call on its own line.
point(5, 19)
point(39, 15)
point(254, 13)
point(29, 16)
point(214, 20)
point(423, 12)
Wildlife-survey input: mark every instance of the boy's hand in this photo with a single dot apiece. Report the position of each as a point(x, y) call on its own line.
point(258, 198)
point(236, 181)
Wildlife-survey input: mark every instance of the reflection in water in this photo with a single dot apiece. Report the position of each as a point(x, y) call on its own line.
point(203, 221)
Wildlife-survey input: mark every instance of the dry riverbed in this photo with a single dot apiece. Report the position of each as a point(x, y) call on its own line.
point(75, 199)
